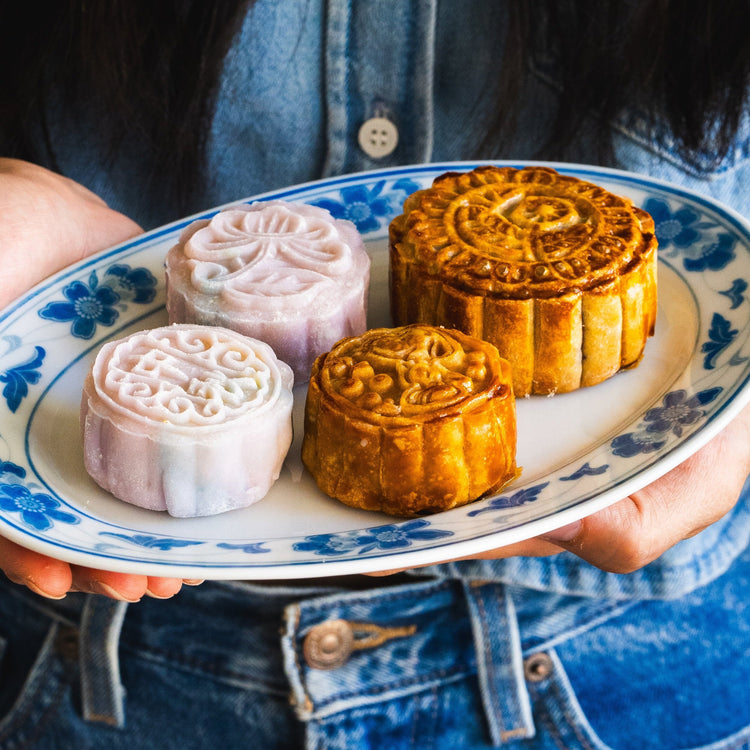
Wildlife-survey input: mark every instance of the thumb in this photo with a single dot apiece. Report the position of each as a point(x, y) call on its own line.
point(636, 530)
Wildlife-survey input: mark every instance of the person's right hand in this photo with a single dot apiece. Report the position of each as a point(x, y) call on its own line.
point(49, 222)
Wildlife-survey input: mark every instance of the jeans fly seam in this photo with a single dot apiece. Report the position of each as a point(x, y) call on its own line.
point(571, 718)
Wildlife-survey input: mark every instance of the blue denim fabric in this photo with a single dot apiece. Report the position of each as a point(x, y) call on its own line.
point(303, 75)
point(656, 659)
point(435, 664)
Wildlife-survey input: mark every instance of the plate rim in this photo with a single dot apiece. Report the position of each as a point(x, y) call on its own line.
point(406, 557)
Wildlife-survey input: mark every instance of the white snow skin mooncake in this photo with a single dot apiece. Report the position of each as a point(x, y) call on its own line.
point(194, 420)
point(288, 274)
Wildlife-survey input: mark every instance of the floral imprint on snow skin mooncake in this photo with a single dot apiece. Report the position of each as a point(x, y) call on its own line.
point(194, 420)
point(288, 274)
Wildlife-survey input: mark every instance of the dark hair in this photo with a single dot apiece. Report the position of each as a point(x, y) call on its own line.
point(685, 62)
point(153, 66)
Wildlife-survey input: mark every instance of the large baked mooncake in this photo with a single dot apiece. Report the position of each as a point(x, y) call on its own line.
point(410, 420)
point(558, 273)
point(290, 275)
point(193, 420)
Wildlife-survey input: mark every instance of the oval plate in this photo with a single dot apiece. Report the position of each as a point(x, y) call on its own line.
point(579, 451)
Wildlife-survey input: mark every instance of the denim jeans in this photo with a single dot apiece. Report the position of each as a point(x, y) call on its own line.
point(430, 663)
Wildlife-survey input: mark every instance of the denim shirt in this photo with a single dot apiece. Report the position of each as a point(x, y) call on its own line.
point(425, 66)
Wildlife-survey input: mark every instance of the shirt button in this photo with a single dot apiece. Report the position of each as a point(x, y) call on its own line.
point(538, 667)
point(378, 137)
point(328, 645)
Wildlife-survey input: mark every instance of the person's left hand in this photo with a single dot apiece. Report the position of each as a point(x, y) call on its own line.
point(635, 531)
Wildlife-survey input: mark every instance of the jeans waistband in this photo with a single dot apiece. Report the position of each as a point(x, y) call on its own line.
point(329, 649)
point(348, 650)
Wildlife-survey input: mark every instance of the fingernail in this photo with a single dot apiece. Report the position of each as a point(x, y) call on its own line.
point(193, 581)
point(152, 595)
point(565, 533)
point(32, 586)
point(97, 587)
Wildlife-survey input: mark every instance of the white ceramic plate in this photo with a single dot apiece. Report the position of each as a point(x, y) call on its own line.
point(579, 451)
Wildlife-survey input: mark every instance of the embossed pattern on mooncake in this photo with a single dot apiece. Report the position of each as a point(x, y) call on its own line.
point(410, 420)
point(558, 273)
point(194, 420)
point(290, 275)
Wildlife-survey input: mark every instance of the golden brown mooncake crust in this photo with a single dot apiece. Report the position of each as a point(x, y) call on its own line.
point(410, 420)
point(558, 273)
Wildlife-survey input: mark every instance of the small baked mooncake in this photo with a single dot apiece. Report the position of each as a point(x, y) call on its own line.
point(194, 420)
point(410, 420)
point(290, 275)
point(558, 273)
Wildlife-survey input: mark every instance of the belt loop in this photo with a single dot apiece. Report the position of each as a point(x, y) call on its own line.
point(499, 661)
point(102, 694)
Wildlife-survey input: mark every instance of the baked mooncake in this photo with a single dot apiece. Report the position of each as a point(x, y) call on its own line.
point(290, 275)
point(193, 420)
point(410, 420)
point(558, 273)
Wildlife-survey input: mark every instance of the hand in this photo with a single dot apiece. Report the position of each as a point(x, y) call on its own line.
point(631, 533)
point(53, 579)
point(635, 531)
point(48, 223)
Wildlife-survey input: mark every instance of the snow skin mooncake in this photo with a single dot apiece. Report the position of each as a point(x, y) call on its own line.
point(194, 420)
point(288, 274)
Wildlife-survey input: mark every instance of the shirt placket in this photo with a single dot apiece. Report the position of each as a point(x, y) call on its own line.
point(379, 68)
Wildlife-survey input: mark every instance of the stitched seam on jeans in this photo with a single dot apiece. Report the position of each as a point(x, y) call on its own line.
point(441, 674)
point(324, 605)
point(570, 718)
point(40, 724)
point(532, 645)
point(490, 684)
point(309, 703)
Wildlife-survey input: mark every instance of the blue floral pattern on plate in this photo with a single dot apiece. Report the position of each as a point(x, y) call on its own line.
point(48, 338)
point(90, 304)
point(37, 510)
point(361, 542)
point(18, 378)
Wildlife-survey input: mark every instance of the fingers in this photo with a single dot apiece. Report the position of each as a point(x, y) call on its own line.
point(53, 579)
point(126, 587)
point(43, 575)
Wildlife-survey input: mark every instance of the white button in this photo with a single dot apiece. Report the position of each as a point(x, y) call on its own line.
point(378, 137)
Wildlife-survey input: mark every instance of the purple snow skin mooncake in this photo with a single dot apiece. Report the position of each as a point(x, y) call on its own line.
point(288, 274)
point(194, 420)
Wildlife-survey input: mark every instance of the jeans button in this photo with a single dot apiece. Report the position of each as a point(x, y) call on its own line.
point(328, 645)
point(378, 137)
point(538, 667)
